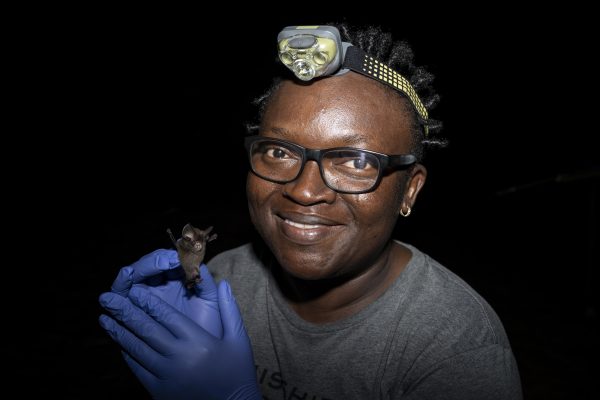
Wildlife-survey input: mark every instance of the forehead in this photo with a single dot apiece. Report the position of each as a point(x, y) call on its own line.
point(346, 110)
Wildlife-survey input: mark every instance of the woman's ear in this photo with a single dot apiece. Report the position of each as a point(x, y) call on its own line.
point(417, 176)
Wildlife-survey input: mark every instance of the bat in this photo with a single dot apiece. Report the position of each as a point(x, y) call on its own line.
point(191, 247)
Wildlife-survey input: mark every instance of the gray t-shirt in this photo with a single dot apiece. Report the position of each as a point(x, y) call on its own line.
point(429, 336)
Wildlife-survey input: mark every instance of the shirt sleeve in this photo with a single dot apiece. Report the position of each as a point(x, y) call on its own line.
point(488, 372)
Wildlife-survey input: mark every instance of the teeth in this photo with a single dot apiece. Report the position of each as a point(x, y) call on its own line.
point(301, 226)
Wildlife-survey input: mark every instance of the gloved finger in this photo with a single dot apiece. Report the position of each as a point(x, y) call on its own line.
point(233, 326)
point(133, 345)
point(147, 378)
point(179, 324)
point(123, 282)
point(138, 322)
point(147, 266)
point(206, 289)
point(154, 263)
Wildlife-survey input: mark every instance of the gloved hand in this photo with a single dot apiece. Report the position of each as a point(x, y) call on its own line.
point(173, 356)
point(161, 273)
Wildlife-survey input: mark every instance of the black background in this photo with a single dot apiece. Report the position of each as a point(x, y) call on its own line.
point(139, 116)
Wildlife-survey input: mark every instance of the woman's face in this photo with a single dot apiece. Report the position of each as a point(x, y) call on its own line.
point(313, 231)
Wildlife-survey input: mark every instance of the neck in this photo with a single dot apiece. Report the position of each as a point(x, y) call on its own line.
point(341, 297)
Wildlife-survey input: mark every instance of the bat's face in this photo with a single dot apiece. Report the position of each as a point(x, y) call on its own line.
point(193, 242)
point(199, 245)
point(194, 239)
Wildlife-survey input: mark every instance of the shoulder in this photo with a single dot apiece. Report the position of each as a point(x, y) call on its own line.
point(448, 307)
point(446, 330)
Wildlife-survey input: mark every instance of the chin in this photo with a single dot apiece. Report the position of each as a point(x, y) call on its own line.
point(305, 264)
point(307, 261)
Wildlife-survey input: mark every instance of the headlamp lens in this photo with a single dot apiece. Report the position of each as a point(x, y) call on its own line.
point(308, 56)
point(303, 70)
point(321, 58)
point(286, 58)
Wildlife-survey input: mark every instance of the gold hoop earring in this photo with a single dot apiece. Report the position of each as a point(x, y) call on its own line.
point(407, 213)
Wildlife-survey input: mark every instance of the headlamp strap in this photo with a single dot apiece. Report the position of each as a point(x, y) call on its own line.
point(359, 61)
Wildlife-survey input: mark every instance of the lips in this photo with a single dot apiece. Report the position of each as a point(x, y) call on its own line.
point(307, 229)
point(301, 226)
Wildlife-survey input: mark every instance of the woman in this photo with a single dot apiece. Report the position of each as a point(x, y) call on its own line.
point(330, 305)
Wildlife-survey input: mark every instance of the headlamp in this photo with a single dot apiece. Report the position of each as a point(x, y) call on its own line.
point(318, 51)
point(310, 51)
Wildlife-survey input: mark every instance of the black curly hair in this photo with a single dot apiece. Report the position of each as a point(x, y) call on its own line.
point(397, 55)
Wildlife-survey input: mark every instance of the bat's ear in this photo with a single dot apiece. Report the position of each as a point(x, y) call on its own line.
point(188, 231)
point(208, 230)
point(213, 237)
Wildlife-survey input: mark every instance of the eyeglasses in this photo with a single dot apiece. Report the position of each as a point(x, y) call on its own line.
point(343, 169)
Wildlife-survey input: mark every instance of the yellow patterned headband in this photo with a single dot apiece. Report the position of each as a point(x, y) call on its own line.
point(314, 51)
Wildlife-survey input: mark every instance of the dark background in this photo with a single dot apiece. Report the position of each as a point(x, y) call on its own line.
point(143, 114)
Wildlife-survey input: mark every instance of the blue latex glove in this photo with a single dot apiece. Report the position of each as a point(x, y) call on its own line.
point(173, 356)
point(161, 273)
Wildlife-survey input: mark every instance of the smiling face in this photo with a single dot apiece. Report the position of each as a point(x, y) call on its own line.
point(313, 231)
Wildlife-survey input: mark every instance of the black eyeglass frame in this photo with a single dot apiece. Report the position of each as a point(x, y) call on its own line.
point(387, 162)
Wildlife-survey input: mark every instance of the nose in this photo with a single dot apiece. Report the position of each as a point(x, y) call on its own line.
point(309, 188)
